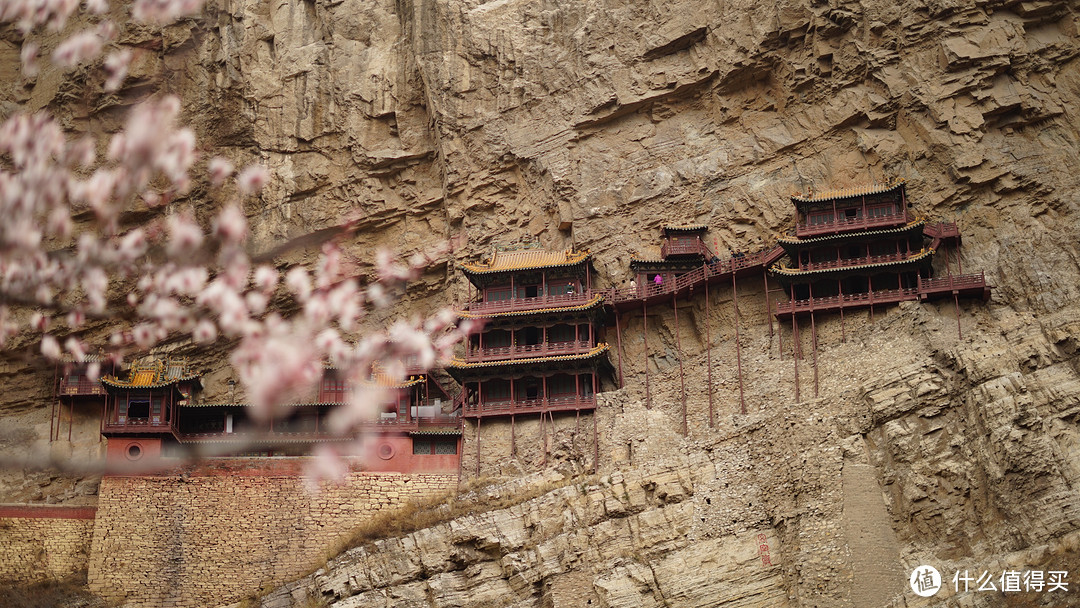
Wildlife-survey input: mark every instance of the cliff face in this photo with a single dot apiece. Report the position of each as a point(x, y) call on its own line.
point(592, 123)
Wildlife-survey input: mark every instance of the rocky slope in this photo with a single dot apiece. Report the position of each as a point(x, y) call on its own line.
point(592, 123)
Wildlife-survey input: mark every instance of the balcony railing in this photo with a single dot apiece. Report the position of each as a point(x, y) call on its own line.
point(319, 431)
point(137, 425)
point(959, 282)
point(803, 229)
point(530, 406)
point(848, 300)
point(873, 259)
point(516, 304)
point(675, 247)
point(528, 351)
point(83, 386)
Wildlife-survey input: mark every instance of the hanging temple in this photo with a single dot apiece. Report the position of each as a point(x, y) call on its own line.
point(544, 348)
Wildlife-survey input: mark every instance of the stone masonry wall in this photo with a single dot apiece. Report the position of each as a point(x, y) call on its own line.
point(44, 542)
point(194, 540)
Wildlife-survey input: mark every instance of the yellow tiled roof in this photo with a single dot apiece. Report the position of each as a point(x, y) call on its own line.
point(597, 299)
point(790, 272)
point(524, 259)
point(794, 240)
point(596, 350)
point(847, 192)
point(152, 373)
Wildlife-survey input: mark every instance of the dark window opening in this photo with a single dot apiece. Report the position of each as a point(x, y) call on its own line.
point(434, 447)
point(139, 409)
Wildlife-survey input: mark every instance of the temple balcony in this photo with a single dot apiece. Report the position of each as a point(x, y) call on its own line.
point(803, 229)
point(81, 386)
point(862, 261)
point(785, 309)
point(569, 403)
point(673, 247)
point(136, 425)
point(528, 351)
point(959, 284)
point(527, 304)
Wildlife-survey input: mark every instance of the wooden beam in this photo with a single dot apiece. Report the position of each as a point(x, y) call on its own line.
point(678, 347)
point(738, 348)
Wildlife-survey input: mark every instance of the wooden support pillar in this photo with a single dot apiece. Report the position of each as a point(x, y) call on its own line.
point(513, 436)
point(813, 337)
point(840, 286)
point(768, 304)
point(543, 437)
point(596, 444)
point(645, 333)
point(738, 348)
point(478, 419)
point(813, 341)
point(678, 346)
point(708, 355)
point(870, 286)
point(71, 414)
point(577, 430)
point(795, 357)
point(956, 305)
point(52, 415)
point(618, 340)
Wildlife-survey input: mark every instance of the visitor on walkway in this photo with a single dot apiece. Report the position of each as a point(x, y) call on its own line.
point(659, 280)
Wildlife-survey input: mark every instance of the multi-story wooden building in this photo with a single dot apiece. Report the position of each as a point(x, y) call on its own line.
point(861, 247)
point(540, 349)
point(156, 412)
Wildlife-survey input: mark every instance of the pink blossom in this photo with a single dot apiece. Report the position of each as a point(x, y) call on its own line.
point(185, 236)
point(204, 331)
point(299, 283)
point(116, 66)
point(78, 48)
point(252, 179)
point(29, 57)
point(220, 170)
point(76, 348)
point(93, 371)
point(266, 278)
point(97, 7)
point(326, 465)
point(164, 11)
point(231, 225)
point(50, 348)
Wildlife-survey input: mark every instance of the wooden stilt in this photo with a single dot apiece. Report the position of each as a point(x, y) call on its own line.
point(678, 347)
point(478, 447)
point(708, 355)
point(543, 438)
point(840, 287)
point(577, 429)
point(813, 341)
point(780, 337)
point(513, 436)
point(870, 285)
point(52, 415)
point(768, 305)
point(71, 415)
point(645, 333)
point(956, 304)
point(794, 354)
point(738, 347)
point(618, 339)
point(596, 444)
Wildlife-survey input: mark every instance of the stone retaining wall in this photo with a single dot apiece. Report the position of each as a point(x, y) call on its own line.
point(43, 542)
point(208, 538)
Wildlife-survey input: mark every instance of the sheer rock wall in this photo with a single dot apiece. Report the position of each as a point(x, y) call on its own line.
point(593, 123)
